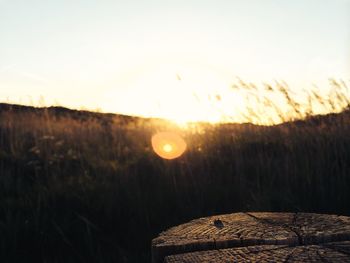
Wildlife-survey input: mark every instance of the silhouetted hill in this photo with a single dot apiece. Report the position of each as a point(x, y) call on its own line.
point(80, 186)
point(57, 111)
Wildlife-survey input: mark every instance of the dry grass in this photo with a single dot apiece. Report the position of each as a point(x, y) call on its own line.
point(86, 187)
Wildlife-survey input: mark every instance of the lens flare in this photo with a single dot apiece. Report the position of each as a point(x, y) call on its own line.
point(167, 148)
point(168, 145)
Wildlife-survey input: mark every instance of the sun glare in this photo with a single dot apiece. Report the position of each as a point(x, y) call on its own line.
point(167, 148)
point(168, 145)
point(180, 93)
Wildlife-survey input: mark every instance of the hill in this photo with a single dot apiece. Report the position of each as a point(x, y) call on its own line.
point(78, 186)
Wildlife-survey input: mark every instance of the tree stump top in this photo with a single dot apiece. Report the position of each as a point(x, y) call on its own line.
point(245, 237)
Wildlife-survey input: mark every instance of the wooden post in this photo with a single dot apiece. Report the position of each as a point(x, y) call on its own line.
point(242, 236)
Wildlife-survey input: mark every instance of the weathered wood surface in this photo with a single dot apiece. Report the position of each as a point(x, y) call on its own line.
point(295, 230)
point(329, 252)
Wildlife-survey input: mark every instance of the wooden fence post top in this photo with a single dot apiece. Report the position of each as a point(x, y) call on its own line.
point(266, 230)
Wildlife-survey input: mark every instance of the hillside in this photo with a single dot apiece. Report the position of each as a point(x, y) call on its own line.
point(78, 186)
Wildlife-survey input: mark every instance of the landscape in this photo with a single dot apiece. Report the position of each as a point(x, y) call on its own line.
point(162, 131)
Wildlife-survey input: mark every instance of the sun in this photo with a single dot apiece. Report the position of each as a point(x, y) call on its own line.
point(182, 93)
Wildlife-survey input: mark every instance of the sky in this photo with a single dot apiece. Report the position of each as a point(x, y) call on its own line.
point(166, 58)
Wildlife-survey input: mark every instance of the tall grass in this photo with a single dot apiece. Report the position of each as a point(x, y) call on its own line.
point(273, 104)
point(87, 187)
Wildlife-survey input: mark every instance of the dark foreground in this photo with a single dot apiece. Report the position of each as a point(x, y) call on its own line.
point(87, 187)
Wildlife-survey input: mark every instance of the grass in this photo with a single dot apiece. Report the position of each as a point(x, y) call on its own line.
point(86, 187)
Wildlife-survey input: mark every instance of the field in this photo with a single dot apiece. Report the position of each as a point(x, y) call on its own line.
point(78, 186)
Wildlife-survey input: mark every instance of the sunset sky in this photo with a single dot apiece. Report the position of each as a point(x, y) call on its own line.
point(166, 58)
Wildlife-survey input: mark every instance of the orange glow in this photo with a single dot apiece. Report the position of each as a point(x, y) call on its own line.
point(168, 145)
point(167, 148)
